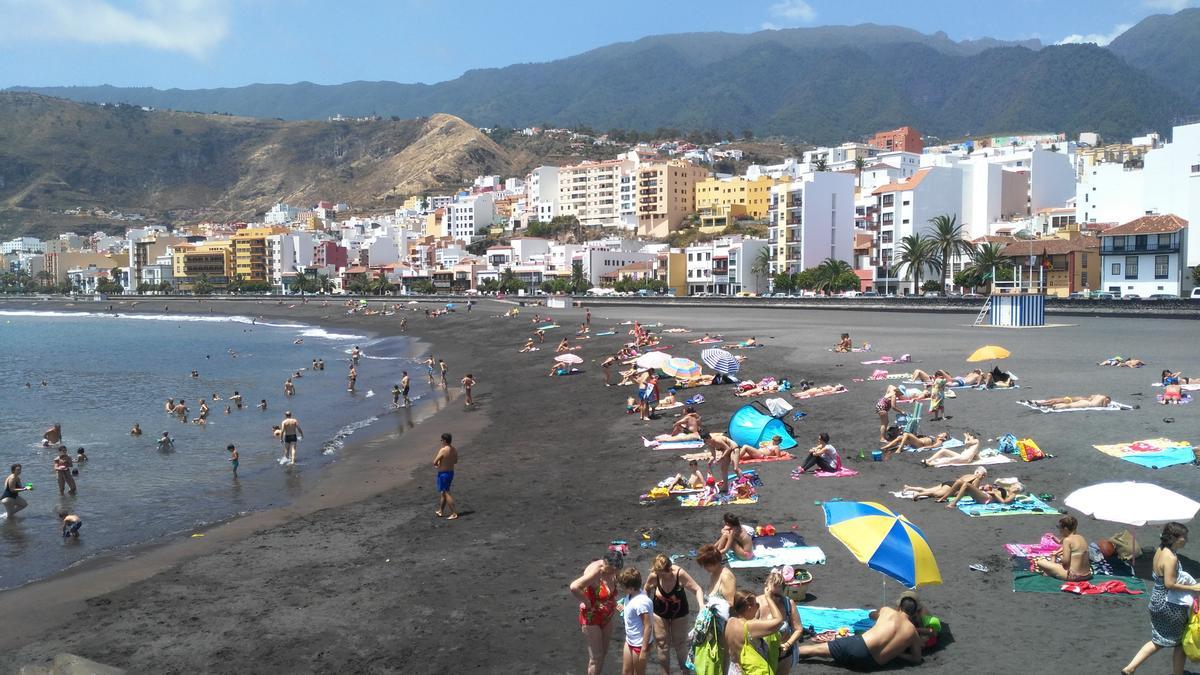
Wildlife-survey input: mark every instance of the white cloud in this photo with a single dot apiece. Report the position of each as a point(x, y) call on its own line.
point(793, 11)
point(1095, 38)
point(767, 25)
point(192, 27)
point(1169, 5)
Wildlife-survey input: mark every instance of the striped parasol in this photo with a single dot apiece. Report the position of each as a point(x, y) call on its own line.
point(681, 367)
point(720, 361)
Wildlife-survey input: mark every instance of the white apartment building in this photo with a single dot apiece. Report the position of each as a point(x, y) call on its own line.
point(601, 263)
point(812, 219)
point(526, 249)
point(1142, 257)
point(467, 214)
point(1169, 183)
point(905, 208)
point(541, 194)
point(724, 266)
point(22, 245)
point(590, 191)
point(839, 158)
point(288, 255)
point(281, 214)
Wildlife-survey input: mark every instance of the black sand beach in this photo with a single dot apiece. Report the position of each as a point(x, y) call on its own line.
point(361, 577)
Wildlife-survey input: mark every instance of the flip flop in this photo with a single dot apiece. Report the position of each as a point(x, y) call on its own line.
point(978, 567)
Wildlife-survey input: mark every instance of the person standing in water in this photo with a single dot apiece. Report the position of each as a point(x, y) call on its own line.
point(290, 428)
point(351, 378)
point(233, 458)
point(404, 384)
point(11, 497)
point(53, 436)
point(444, 461)
point(62, 470)
point(442, 368)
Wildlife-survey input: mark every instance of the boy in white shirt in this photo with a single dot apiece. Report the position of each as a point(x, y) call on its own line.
point(639, 609)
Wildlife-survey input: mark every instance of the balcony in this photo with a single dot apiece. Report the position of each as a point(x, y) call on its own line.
point(1106, 248)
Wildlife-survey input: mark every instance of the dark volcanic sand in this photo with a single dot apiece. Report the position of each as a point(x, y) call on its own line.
point(550, 472)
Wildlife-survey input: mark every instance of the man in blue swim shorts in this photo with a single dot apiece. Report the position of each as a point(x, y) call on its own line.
point(444, 461)
point(894, 636)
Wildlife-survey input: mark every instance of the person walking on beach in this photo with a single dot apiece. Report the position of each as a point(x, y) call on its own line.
point(62, 470)
point(587, 318)
point(444, 461)
point(290, 428)
point(467, 383)
point(404, 384)
point(596, 590)
point(1170, 601)
point(233, 458)
point(442, 368)
point(429, 369)
point(607, 365)
point(11, 497)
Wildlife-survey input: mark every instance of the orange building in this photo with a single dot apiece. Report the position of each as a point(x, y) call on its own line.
point(904, 139)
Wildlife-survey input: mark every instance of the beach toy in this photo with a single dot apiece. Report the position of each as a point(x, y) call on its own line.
point(877, 455)
point(29, 486)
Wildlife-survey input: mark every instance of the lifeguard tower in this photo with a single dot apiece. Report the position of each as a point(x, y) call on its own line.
point(1020, 303)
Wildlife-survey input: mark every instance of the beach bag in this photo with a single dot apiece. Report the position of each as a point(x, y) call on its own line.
point(1029, 450)
point(1124, 544)
point(1008, 443)
point(706, 656)
point(1191, 636)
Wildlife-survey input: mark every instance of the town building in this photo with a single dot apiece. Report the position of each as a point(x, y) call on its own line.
point(906, 208)
point(718, 196)
point(811, 219)
point(465, 216)
point(666, 195)
point(726, 266)
point(1145, 257)
point(211, 260)
point(904, 139)
point(589, 191)
point(1066, 265)
point(250, 252)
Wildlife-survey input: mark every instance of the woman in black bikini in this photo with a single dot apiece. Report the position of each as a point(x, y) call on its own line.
point(12, 492)
point(668, 586)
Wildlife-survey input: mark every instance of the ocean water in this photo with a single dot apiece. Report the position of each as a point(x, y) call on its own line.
point(104, 373)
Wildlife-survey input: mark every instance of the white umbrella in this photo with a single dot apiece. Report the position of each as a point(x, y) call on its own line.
point(720, 360)
point(1131, 503)
point(653, 360)
point(568, 358)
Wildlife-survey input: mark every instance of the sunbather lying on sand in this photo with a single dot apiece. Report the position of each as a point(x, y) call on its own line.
point(765, 387)
point(1119, 361)
point(987, 494)
point(971, 379)
point(528, 347)
point(1172, 395)
point(765, 451)
point(948, 488)
point(808, 392)
point(1174, 378)
point(917, 441)
point(1068, 402)
point(744, 344)
point(670, 438)
point(697, 381)
point(948, 457)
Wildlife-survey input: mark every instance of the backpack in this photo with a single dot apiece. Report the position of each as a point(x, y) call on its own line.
point(1029, 450)
point(1008, 444)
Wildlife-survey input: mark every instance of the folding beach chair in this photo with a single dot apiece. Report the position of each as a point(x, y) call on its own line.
point(911, 422)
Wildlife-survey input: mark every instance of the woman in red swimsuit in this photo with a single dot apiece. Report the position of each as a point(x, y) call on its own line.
point(596, 590)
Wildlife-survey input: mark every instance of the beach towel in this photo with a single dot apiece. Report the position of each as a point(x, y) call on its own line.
point(855, 350)
point(607, 332)
point(1182, 387)
point(1025, 581)
point(778, 540)
point(840, 473)
point(883, 360)
point(1186, 398)
point(699, 500)
point(710, 341)
point(1047, 546)
point(548, 326)
point(1152, 453)
point(673, 445)
point(1044, 409)
point(676, 330)
point(738, 345)
point(822, 619)
point(668, 406)
point(777, 557)
point(1027, 505)
point(949, 444)
point(826, 393)
point(982, 460)
point(783, 456)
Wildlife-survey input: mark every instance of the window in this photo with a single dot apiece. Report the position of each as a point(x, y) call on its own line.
point(905, 202)
point(887, 218)
point(889, 200)
point(1164, 241)
point(1162, 263)
point(1131, 267)
point(1139, 242)
point(1118, 243)
point(1083, 279)
point(1116, 269)
point(1084, 261)
point(1196, 168)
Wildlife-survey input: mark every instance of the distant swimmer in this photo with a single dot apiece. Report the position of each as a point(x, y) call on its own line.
point(181, 410)
point(236, 399)
point(203, 410)
point(80, 456)
point(169, 407)
point(290, 428)
point(136, 430)
point(289, 389)
point(262, 405)
point(165, 442)
point(215, 396)
point(195, 374)
point(53, 436)
point(298, 341)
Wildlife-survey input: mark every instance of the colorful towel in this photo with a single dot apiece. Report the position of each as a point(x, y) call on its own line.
point(548, 326)
point(949, 444)
point(840, 473)
point(884, 360)
point(710, 341)
point(1047, 546)
point(827, 393)
point(1111, 406)
point(1025, 581)
point(1186, 398)
point(675, 445)
point(822, 619)
point(607, 332)
point(1152, 453)
point(783, 456)
point(1027, 505)
point(777, 557)
point(696, 500)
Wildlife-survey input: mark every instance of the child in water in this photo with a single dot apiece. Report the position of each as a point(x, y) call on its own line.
point(70, 523)
point(233, 458)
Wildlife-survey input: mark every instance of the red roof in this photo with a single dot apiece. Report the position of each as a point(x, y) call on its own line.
point(1148, 225)
point(1053, 246)
point(904, 184)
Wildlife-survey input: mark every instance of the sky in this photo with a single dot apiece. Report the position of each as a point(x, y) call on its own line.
point(193, 44)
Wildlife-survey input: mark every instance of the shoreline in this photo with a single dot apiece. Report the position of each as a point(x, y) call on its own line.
point(360, 462)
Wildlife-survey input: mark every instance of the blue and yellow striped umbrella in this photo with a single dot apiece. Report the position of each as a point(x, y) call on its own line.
point(883, 540)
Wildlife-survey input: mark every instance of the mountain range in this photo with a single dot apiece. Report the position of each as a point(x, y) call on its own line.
point(819, 85)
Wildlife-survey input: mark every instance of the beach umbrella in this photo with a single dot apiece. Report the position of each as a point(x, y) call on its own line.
point(988, 353)
point(1131, 503)
point(568, 358)
point(885, 541)
point(680, 367)
point(449, 305)
point(720, 361)
point(653, 360)
point(413, 302)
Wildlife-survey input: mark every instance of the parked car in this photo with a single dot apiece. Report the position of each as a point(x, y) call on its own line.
point(1131, 296)
point(971, 296)
point(869, 294)
point(1079, 295)
point(931, 294)
point(1103, 295)
point(1195, 294)
point(1163, 296)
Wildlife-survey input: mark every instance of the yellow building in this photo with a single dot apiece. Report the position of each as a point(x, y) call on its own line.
point(413, 203)
point(666, 194)
point(213, 259)
point(715, 196)
point(250, 252)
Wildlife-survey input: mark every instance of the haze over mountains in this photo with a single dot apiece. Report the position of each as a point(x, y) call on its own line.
point(821, 85)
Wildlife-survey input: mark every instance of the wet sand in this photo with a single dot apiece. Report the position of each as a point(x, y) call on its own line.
point(363, 577)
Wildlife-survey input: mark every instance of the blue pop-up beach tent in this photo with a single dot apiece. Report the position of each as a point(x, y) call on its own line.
point(751, 425)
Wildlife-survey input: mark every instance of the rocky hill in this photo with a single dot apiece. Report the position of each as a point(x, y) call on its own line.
point(59, 158)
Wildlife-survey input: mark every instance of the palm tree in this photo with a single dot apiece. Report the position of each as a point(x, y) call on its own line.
point(762, 262)
point(914, 255)
point(45, 276)
point(382, 285)
point(324, 283)
point(821, 164)
point(986, 260)
point(860, 163)
point(947, 238)
point(830, 275)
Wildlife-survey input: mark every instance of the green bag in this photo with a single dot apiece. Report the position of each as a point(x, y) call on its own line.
point(708, 655)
